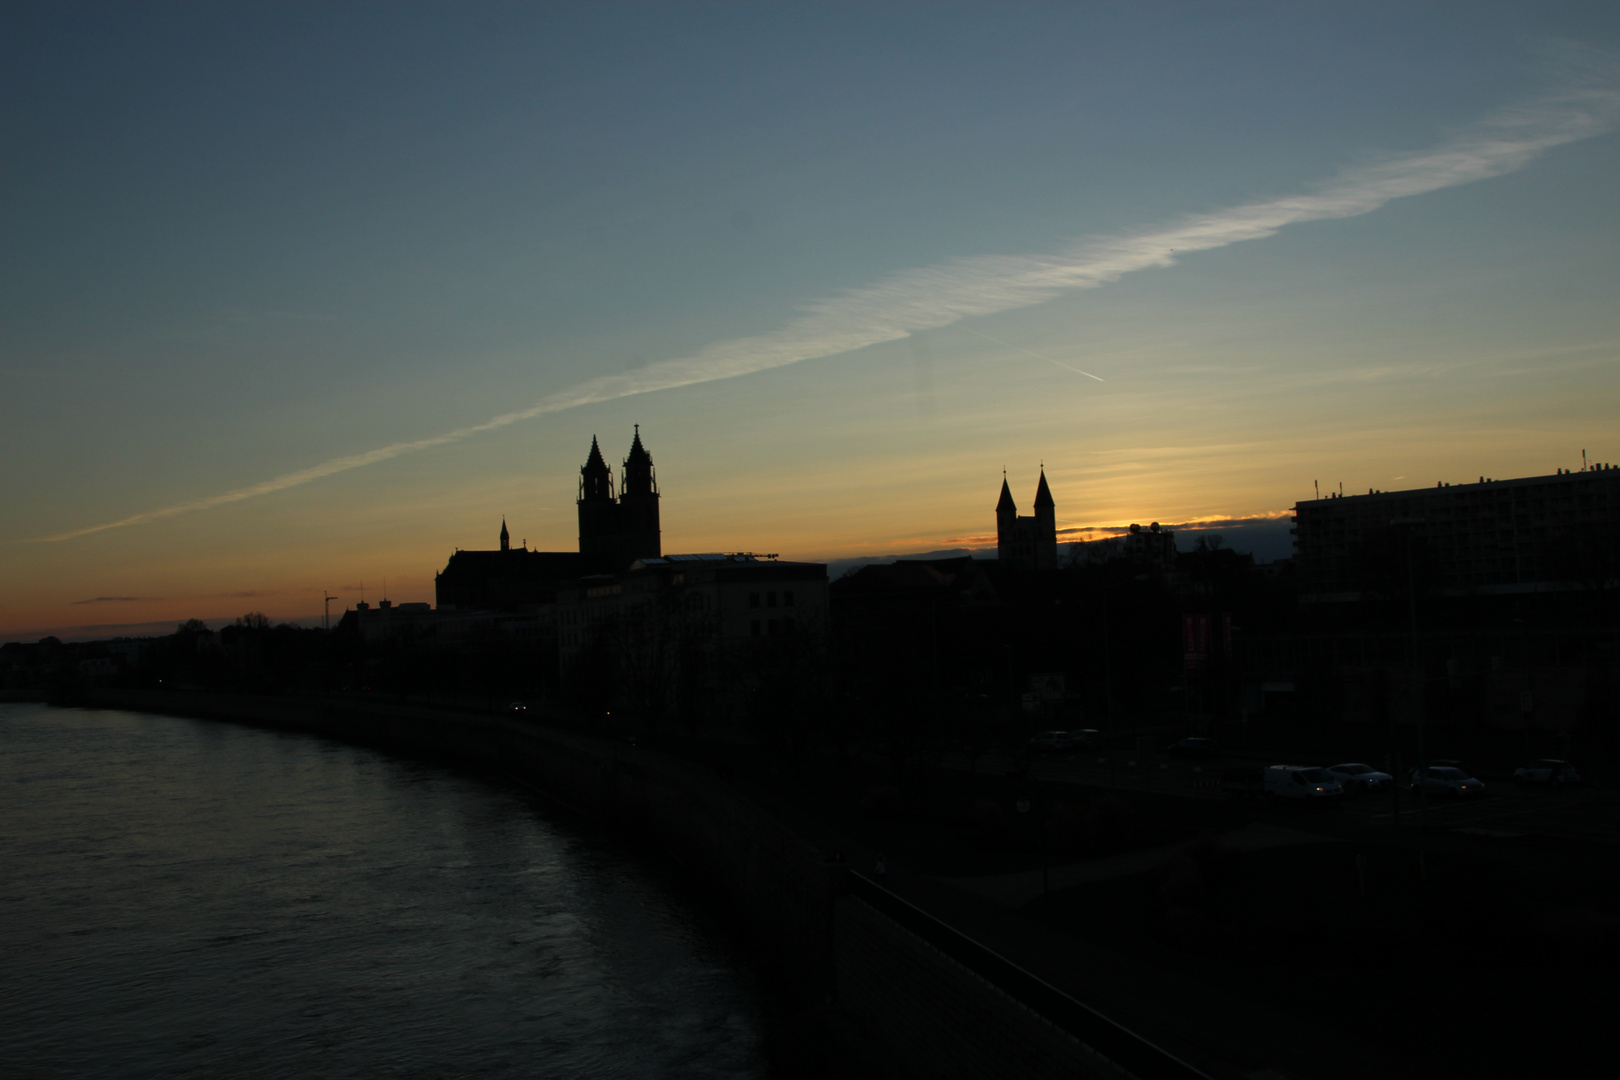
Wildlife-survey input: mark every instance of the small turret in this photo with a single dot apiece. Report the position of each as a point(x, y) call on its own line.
point(506, 537)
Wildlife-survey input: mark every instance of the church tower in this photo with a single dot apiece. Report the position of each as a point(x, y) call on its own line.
point(506, 537)
point(638, 506)
point(1006, 523)
point(1045, 533)
point(598, 514)
point(1028, 542)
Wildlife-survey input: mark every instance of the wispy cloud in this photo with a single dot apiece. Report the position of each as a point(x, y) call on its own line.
point(1584, 102)
point(114, 600)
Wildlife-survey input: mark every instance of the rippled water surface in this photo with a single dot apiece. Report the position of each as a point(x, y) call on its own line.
point(185, 898)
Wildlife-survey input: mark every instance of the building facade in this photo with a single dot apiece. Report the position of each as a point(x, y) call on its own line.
point(1533, 534)
point(731, 599)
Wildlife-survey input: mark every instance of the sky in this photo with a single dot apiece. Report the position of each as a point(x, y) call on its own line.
point(297, 299)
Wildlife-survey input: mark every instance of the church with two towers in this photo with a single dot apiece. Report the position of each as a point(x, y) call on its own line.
point(617, 526)
point(1027, 542)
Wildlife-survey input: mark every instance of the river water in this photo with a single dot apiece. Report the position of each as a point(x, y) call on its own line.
point(182, 898)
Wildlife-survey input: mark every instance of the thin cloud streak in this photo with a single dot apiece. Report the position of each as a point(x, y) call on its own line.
point(1585, 103)
point(1036, 355)
point(113, 600)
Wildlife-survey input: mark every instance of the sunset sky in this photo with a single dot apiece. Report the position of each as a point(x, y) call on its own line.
point(304, 297)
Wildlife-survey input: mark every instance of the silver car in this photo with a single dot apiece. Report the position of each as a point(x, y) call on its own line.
point(1445, 780)
point(1547, 771)
point(1357, 776)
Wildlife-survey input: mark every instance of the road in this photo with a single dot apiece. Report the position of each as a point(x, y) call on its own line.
point(1505, 810)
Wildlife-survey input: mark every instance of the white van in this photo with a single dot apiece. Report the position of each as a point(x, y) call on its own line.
point(1306, 782)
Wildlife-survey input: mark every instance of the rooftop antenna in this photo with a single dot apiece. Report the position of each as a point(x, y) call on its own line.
point(1583, 461)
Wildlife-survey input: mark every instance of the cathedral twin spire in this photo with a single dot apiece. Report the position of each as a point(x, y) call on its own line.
point(615, 529)
point(1027, 541)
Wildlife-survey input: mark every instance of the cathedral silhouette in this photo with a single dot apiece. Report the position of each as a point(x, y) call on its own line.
point(1029, 542)
point(615, 529)
point(615, 532)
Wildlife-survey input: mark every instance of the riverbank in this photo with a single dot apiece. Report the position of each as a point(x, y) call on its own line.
point(869, 985)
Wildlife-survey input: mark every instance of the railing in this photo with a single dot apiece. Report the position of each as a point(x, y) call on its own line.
point(1123, 1047)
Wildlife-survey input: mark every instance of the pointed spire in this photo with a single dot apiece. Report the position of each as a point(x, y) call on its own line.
point(506, 537)
point(1006, 504)
point(638, 453)
point(595, 459)
point(1043, 494)
point(638, 478)
point(595, 478)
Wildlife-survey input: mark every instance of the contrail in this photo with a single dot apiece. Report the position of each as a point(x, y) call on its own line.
point(1583, 104)
point(1036, 355)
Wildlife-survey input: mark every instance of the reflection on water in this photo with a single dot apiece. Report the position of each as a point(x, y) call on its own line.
point(183, 898)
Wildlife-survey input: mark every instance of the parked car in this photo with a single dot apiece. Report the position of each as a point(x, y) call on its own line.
point(1445, 780)
point(517, 708)
point(1304, 782)
point(1085, 739)
point(1193, 746)
point(1357, 776)
point(1550, 771)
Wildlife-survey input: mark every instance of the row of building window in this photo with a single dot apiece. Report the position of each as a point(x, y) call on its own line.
point(770, 599)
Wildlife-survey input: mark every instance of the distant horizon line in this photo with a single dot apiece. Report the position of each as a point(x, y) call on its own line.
point(156, 627)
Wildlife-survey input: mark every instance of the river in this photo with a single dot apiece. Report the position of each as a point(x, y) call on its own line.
point(184, 898)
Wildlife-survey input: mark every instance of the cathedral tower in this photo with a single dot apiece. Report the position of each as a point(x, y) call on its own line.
point(638, 506)
point(1006, 523)
point(1045, 538)
point(598, 513)
point(616, 530)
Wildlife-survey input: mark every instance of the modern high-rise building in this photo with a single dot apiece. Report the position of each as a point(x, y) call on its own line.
point(1533, 534)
